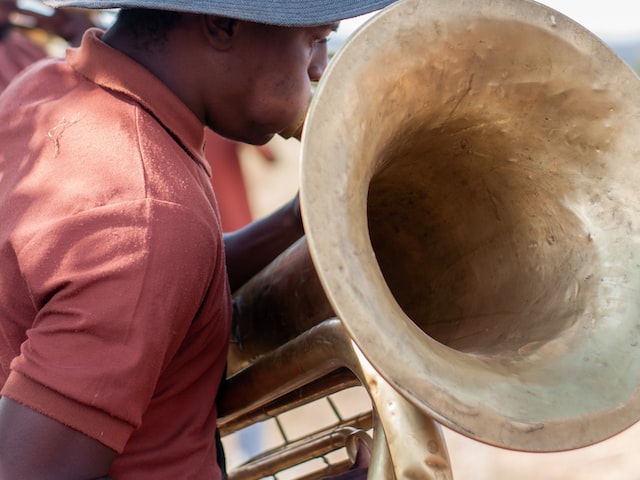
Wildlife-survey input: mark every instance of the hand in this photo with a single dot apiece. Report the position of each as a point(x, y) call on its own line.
point(360, 467)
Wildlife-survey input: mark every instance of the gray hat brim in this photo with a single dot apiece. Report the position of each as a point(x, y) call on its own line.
point(274, 12)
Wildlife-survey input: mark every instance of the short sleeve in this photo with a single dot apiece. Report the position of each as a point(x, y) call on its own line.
point(116, 289)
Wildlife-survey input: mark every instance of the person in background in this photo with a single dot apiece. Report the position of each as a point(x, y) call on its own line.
point(228, 179)
point(18, 50)
point(116, 279)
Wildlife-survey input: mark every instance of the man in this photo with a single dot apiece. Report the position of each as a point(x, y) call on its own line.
point(114, 295)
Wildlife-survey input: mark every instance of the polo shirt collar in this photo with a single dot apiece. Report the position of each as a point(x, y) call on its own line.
point(128, 77)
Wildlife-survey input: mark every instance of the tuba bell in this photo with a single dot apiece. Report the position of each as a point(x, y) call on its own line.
point(469, 182)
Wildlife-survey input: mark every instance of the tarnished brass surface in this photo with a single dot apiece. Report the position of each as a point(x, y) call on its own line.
point(469, 192)
point(418, 449)
point(279, 303)
point(469, 178)
point(304, 449)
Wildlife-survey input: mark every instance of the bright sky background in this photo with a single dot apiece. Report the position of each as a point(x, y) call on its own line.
point(614, 21)
point(611, 20)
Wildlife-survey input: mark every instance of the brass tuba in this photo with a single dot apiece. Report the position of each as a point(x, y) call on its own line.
point(469, 189)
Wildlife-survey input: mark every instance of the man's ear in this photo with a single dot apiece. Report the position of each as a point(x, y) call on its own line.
point(221, 31)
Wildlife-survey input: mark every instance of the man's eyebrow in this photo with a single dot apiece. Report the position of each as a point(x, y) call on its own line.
point(334, 26)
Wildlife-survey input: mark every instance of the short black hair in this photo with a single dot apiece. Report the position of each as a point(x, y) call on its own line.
point(149, 27)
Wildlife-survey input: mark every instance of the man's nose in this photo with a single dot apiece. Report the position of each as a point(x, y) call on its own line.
point(319, 61)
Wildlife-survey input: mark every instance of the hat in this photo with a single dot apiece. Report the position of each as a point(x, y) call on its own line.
point(275, 12)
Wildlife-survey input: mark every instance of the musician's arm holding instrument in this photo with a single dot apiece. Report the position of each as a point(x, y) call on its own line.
point(251, 248)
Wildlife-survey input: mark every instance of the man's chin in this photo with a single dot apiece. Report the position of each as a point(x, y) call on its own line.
point(293, 131)
point(286, 134)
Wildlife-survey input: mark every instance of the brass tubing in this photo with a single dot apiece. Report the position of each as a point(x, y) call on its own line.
point(294, 453)
point(333, 382)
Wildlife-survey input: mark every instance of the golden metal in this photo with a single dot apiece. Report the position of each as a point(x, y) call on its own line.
point(469, 193)
point(314, 354)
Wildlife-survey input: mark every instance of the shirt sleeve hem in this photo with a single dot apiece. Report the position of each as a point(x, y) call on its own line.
point(108, 430)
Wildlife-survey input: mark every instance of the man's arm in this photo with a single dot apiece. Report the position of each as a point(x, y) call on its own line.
point(253, 247)
point(36, 447)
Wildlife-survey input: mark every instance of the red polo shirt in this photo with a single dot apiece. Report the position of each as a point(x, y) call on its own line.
point(114, 299)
